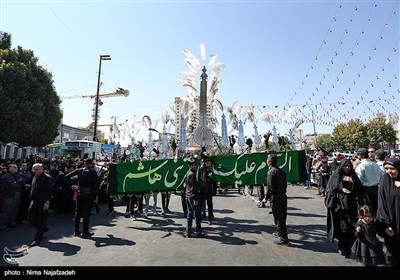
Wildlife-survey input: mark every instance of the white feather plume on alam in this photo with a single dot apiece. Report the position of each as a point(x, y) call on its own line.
point(298, 123)
point(219, 104)
point(235, 108)
point(214, 87)
point(282, 115)
point(193, 62)
point(190, 66)
point(268, 115)
point(233, 112)
point(202, 51)
point(191, 81)
point(265, 117)
point(217, 66)
point(212, 60)
point(249, 114)
point(146, 121)
point(290, 113)
point(186, 82)
point(163, 116)
point(192, 58)
point(193, 66)
point(172, 107)
point(187, 106)
point(191, 88)
point(188, 74)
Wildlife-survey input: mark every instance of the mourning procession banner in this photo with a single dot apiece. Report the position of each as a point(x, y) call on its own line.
point(169, 174)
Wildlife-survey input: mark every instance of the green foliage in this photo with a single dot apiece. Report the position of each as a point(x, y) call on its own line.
point(29, 104)
point(356, 134)
point(380, 133)
point(326, 141)
point(5, 41)
point(351, 135)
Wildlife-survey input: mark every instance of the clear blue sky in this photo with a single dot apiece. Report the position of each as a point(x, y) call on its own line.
point(310, 54)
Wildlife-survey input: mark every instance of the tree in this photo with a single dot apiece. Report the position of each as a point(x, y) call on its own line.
point(351, 135)
point(29, 104)
point(326, 141)
point(380, 133)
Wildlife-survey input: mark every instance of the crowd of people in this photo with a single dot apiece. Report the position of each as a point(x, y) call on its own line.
point(362, 197)
point(31, 188)
point(354, 190)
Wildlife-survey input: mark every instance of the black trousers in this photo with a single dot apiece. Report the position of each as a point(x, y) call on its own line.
point(279, 211)
point(84, 205)
point(165, 197)
point(207, 198)
point(37, 217)
point(261, 192)
point(184, 205)
point(371, 197)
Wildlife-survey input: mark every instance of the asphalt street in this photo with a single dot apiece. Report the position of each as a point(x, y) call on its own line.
point(240, 236)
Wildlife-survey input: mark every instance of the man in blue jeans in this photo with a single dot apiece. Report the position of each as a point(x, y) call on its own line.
point(192, 188)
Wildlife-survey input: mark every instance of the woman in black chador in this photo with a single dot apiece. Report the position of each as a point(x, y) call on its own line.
point(367, 248)
point(342, 193)
point(388, 212)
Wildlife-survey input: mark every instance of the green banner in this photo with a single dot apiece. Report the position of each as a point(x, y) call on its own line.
point(168, 174)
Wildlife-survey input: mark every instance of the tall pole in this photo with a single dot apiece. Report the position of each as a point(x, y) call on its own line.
point(313, 120)
point(114, 125)
point(315, 132)
point(96, 111)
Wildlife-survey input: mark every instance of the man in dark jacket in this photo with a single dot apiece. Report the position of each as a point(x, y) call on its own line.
point(192, 188)
point(41, 192)
point(208, 187)
point(87, 194)
point(11, 185)
point(276, 186)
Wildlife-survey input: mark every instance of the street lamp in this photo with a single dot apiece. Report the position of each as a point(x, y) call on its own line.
point(96, 112)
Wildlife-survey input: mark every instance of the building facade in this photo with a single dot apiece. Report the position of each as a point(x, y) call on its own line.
point(193, 119)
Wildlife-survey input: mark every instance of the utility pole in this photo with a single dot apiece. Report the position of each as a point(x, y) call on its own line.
point(96, 112)
point(313, 120)
point(315, 132)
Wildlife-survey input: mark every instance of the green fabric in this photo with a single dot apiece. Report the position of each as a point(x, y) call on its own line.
point(168, 174)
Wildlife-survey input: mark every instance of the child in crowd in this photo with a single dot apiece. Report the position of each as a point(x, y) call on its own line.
point(75, 188)
point(367, 248)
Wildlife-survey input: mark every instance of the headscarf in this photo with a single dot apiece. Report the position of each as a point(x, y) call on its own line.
point(334, 197)
point(395, 162)
point(388, 205)
point(336, 177)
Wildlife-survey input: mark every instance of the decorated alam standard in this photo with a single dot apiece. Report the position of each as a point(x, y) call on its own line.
point(169, 174)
